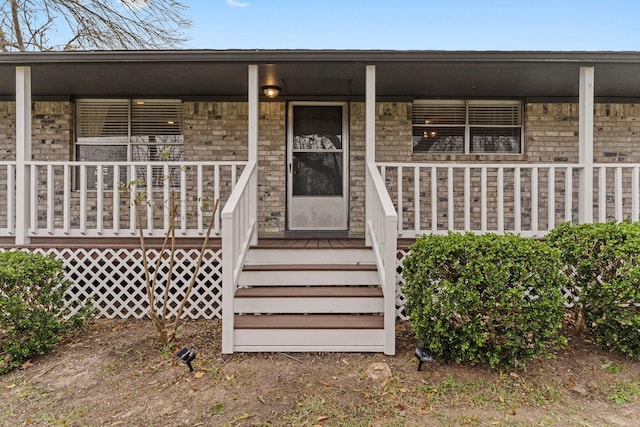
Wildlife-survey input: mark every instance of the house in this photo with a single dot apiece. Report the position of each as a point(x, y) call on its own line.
point(353, 152)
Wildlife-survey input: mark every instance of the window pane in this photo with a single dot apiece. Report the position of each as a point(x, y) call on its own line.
point(104, 120)
point(317, 174)
point(317, 142)
point(97, 153)
point(317, 127)
point(156, 117)
point(495, 140)
point(158, 153)
point(438, 139)
point(439, 113)
point(101, 153)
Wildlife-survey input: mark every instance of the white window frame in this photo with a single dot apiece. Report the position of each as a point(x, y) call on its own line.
point(467, 125)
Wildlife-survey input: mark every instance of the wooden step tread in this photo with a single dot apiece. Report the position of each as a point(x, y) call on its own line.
point(310, 321)
point(309, 292)
point(310, 267)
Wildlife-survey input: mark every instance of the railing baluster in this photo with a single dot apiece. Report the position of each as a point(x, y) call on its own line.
point(568, 194)
point(500, 196)
point(551, 196)
point(66, 202)
point(534, 200)
point(618, 191)
point(400, 204)
point(115, 226)
point(517, 200)
point(50, 199)
point(166, 193)
point(11, 207)
point(635, 193)
point(133, 195)
point(150, 202)
point(99, 200)
point(183, 200)
point(83, 199)
point(450, 204)
point(483, 199)
point(416, 199)
point(200, 204)
point(602, 194)
point(467, 199)
point(33, 226)
point(434, 199)
point(216, 196)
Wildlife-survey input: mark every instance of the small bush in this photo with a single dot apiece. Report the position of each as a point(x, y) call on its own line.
point(32, 307)
point(490, 299)
point(604, 269)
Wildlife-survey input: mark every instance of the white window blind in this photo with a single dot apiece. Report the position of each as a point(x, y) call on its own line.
point(472, 126)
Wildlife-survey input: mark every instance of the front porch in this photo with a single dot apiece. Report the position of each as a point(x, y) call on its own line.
point(342, 295)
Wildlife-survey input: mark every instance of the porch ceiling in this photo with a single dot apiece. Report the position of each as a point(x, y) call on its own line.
point(306, 74)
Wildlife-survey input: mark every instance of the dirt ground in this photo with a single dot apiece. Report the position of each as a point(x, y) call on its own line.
point(115, 374)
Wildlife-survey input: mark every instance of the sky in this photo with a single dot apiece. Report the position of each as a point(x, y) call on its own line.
point(559, 25)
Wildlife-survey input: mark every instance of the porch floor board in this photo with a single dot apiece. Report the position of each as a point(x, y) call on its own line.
point(310, 321)
point(297, 243)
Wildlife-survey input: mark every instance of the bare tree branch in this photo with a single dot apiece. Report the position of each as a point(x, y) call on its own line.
point(32, 25)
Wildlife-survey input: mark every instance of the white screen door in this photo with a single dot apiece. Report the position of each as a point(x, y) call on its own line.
point(317, 169)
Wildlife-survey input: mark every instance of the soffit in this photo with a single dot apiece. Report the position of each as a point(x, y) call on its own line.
point(317, 74)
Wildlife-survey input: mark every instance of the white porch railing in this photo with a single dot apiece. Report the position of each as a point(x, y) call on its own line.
point(239, 231)
point(383, 235)
point(7, 198)
point(78, 198)
point(528, 199)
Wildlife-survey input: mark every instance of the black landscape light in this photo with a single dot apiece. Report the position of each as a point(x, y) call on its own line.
point(187, 355)
point(423, 355)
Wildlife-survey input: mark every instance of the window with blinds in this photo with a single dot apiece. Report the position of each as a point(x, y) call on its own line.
point(458, 126)
point(112, 130)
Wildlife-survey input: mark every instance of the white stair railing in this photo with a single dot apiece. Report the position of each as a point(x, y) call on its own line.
point(382, 230)
point(239, 231)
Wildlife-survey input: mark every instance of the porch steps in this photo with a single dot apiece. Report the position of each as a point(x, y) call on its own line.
point(302, 299)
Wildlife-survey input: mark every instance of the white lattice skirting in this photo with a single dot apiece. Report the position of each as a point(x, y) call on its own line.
point(113, 281)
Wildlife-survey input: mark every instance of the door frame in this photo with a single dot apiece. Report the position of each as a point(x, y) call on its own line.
point(345, 163)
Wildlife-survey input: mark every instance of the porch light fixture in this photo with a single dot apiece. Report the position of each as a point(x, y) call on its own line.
point(187, 355)
point(271, 91)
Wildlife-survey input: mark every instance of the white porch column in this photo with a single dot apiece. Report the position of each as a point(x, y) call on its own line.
point(254, 110)
point(370, 143)
point(585, 149)
point(23, 154)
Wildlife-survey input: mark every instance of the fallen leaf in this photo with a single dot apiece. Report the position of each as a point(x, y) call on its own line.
point(198, 374)
point(320, 419)
point(512, 411)
point(26, 364)
point(10, 386)
point(514, 375)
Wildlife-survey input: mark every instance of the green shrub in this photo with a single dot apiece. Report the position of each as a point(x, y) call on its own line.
point(486, 298)
point(604, 269)
point(32, 307)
